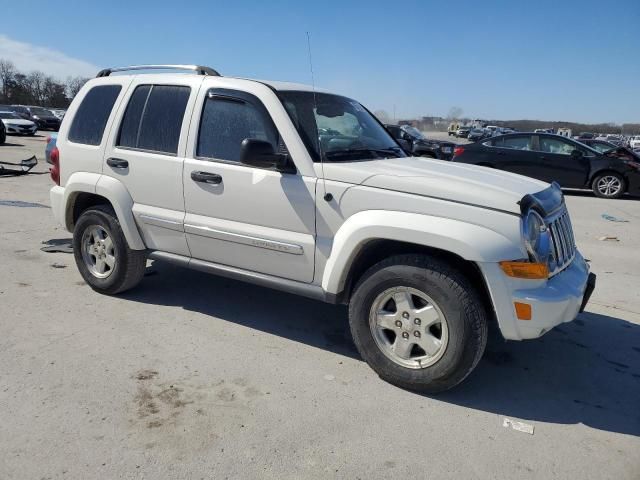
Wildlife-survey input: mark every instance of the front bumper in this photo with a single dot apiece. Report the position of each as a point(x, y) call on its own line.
point(21, 129)
point(553, 301)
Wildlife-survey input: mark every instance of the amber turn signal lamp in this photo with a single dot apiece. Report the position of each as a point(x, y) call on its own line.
point(523, 310)
point(528, 270)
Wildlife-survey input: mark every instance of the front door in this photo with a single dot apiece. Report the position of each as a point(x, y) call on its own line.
point(559, 162)
point(242, 216)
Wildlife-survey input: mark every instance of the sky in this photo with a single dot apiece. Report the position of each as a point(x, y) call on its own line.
point(566, 60)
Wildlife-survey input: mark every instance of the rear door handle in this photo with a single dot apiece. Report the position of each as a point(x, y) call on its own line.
point(117, 163)
point(206, 177)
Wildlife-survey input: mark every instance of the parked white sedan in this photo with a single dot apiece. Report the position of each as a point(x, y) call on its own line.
point(17, 125)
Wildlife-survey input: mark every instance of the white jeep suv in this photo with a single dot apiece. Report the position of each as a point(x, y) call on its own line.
point(305, 191)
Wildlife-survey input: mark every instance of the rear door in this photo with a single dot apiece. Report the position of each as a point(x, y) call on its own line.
point(514, 153)
point(558, 162)
point(146, 153)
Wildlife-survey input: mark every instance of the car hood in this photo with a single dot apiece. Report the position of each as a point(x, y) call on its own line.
point(458, 182)
point(18, 121)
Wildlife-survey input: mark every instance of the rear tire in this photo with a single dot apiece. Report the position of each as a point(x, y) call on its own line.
point(102, 254)
point(432, 308)
point(608, 185)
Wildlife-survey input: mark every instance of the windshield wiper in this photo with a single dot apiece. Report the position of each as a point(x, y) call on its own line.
point(358, 151)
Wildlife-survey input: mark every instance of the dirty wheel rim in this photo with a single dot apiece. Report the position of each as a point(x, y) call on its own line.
point(609, 185)
point(408, 327)
point(98, 251)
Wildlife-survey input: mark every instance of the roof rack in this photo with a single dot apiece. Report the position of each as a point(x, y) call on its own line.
point(199, 69)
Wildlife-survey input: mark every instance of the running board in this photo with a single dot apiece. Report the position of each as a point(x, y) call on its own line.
point(298, 288)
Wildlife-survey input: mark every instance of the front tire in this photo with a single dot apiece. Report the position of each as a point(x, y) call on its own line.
point(608, 185)
point(418, 323)
point(102, 254)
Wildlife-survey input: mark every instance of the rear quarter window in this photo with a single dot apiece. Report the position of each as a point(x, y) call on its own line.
point(91, 117)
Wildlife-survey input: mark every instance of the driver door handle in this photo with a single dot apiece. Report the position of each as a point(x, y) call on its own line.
point(206, 177)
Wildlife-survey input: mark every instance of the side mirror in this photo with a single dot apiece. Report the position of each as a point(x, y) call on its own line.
point(260, 153)
point(405, 144)
point(577, 153)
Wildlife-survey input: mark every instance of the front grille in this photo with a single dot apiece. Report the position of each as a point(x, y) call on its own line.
point(563, 244)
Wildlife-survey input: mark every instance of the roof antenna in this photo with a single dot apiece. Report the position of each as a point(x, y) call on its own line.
point(327, 196)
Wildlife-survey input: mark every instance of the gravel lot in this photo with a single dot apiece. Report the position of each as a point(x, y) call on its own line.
point(192, 376)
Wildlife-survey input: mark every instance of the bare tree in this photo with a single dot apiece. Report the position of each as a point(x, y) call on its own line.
point(36, 82)
point(454, 113)
point(74, 84)
point(7, 72)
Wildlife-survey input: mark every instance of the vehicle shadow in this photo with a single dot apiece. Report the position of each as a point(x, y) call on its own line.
point(586, 371)
point(8, 144)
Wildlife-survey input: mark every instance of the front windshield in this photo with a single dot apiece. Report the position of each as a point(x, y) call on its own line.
point(8, 115)
point(339, 129)
point(414, 132)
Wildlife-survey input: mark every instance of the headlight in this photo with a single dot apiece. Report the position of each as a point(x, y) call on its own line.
point(536, 237)
point(36, 117)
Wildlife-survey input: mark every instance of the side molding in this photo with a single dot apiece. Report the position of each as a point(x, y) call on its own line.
point(469, 241)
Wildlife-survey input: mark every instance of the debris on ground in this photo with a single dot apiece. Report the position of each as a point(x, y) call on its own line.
point(60, 245)
point(611, 218)
point(23, 167)
point(609, 238)
point(58, 265)
point(519, 426)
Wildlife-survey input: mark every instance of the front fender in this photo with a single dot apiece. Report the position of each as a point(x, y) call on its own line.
point(469, 241)
point(111, 189)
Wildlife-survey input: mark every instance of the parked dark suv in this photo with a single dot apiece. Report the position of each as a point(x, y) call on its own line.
point(555, 158)
point(419, 145)
point(43, 118)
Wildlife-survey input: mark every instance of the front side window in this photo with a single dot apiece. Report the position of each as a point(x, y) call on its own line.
point(228, 118)
point(153, 118)
point(91, 118)
point(337, 128)
point(556, 146)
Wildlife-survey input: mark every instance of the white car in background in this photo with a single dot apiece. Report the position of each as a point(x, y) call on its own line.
point(15, 124)
point(634, 142)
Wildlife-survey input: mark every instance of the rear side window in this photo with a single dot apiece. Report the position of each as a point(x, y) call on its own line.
point(92, 115)
point(227, 119)
point(153, 118)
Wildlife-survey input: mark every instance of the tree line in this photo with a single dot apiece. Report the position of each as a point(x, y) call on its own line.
point(36, 88)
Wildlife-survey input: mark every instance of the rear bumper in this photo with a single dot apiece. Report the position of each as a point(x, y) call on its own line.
point(553, 301)
point(56, 195)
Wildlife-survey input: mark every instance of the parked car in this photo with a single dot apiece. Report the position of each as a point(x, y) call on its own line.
point(553, 158)
point(586, 135)
point(419, 145)
point(43, 118)
point(49, 146)
point(463, 132)
point(14, 124)
point(453, 128)
point(3, 134)
point(58, 113)
point(477, 134)
point(634, 142)
point(425, 253)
